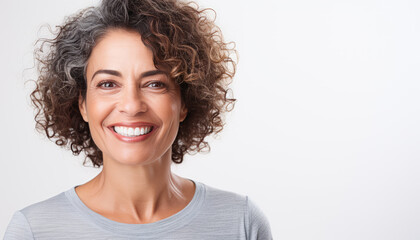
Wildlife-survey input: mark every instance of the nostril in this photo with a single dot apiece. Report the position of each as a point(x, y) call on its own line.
point(132, 106)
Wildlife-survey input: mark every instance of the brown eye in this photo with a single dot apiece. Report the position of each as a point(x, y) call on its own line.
point(106, 84)
point(156, 85)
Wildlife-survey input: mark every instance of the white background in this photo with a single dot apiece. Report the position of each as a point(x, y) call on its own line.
point(325, 135)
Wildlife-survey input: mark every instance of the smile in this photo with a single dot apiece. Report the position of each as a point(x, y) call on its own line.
point(132, 132)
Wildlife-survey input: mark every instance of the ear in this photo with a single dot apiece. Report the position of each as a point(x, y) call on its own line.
point(183, 113)
point(82, 108)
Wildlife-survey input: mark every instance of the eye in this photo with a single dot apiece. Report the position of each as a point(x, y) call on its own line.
point(156, 85)
point(106, 84)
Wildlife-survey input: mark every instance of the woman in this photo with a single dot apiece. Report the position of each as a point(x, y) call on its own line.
point(135, 85)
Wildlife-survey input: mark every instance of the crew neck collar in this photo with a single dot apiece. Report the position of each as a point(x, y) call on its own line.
point(173, 222)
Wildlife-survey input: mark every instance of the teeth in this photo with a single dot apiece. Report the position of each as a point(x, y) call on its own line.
point(132, 132)
point(137, 131)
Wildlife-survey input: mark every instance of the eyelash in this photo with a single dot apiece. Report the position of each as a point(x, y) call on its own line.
point(101, 84)
point(149, 84)
point(162, 85)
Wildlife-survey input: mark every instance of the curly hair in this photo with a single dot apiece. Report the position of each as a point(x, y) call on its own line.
point(181, 37)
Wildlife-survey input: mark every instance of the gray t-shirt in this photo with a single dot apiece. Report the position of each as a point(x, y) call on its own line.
point(211, 214)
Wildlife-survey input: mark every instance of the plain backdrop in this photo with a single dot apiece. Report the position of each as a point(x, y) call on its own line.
point(325, 134)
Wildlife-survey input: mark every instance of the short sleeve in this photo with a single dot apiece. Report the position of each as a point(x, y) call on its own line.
point(18, 228)
point(258, 227)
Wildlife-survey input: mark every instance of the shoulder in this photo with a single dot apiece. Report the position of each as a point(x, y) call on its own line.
point(27, 222)
point(23, 221)
point(229, 207)
point(46, 207)
point(224, 204)
point(223, 198)
point(258, 225)
point(18, 228)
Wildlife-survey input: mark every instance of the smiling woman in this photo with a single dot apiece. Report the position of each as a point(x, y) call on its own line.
point(128, 100)
point(135, 85)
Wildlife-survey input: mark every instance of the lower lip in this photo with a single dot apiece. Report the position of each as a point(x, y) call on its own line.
point(132, 139)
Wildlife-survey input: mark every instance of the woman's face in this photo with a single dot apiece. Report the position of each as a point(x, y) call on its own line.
point(133, 109)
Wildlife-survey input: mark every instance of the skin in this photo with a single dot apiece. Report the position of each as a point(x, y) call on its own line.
point(136, 184)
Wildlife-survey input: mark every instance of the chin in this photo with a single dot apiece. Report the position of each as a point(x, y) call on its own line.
point(136, 156)
point(129, 159)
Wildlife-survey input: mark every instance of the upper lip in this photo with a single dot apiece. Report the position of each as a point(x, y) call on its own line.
point(133, 124)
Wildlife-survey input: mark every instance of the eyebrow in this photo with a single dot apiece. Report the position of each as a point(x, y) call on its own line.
point(118, 74)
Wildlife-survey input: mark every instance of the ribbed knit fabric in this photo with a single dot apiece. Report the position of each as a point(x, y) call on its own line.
point(211, 214)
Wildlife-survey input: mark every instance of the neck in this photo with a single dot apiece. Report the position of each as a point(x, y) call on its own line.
point(138, 194)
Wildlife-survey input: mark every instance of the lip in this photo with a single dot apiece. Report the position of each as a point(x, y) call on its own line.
point(135, 124)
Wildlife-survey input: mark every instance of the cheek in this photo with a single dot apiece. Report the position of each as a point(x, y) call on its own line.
point(97, 109)
point(175, 104)
point(172, 111)
point(167, 107)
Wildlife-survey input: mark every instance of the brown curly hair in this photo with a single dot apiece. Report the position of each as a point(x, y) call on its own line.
point(181, 37)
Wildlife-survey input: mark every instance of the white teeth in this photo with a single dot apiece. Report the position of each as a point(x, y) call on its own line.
point(132, 132)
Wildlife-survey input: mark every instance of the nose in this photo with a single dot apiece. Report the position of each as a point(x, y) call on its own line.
point(132, 101)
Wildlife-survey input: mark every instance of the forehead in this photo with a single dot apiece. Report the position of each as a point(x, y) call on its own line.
point(120, 50)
